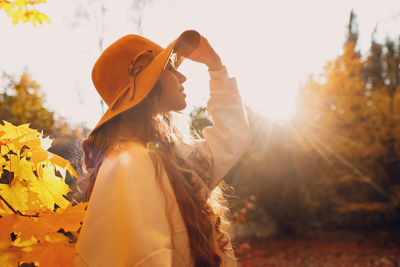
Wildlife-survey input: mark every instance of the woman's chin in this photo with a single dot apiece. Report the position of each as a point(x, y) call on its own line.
point(181, 107)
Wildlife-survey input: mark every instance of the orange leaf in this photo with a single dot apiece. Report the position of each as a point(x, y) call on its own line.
point(26, 227)
point(9, 256)
point(51, 254)
point(6, 227)
point(69, 219)
point(35, 205)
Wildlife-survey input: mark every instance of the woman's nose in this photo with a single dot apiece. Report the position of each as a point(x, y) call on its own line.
point(181, 77)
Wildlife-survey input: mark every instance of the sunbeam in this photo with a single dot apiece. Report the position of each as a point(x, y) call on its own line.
point(318, 149)
point(351, 167)
point(308, 153)
point(326, 130)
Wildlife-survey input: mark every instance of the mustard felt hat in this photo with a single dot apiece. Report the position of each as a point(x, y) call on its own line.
point(128, 69)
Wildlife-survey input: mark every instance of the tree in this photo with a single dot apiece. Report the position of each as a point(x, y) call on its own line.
point(347, 120)
point(391, 78)
point(22, 101)
point(352, 29)
point(198, 121)
point(382, 77)
point(373, 66)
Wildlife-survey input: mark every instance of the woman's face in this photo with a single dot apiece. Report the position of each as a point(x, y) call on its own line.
point(172, 93)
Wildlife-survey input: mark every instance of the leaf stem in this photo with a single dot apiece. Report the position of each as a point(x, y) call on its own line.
point(16, 211)
point(8, 205)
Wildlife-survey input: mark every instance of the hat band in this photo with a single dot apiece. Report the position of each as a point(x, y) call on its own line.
point(141, 61)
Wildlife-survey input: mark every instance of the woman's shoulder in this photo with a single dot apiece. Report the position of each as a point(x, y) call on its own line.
point(127, 153)
point(127, 162)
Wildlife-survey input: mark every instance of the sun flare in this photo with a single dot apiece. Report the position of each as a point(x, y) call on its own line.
point(276, 101)
point(277, 108)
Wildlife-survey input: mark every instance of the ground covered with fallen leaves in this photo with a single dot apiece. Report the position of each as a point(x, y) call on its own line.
point(328, 249)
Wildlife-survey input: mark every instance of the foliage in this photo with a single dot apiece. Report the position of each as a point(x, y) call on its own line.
point(347, 118)
point(38, 223)
point(351, 119)
point(24, 10)
point(346, 108)
point(198, 121)
point(336, 163)
point(23, 102)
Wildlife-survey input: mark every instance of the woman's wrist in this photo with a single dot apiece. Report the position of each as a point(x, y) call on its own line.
point(218, 74)
point(215, 64)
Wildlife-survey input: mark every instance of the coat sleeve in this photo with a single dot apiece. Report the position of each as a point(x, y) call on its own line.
point(126, 222)
point(229, 136)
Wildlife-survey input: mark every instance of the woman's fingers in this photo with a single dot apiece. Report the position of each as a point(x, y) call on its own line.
point(204, 53)
point(196, 47)
point(188, 41)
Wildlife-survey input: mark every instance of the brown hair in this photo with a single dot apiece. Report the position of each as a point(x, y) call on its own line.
point(203, 211)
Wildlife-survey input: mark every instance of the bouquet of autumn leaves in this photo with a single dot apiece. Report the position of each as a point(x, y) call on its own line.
point(38, 224)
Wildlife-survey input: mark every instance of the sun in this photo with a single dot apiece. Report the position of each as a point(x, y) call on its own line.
point(276, 105)
point(275, 99)
point(268, 85)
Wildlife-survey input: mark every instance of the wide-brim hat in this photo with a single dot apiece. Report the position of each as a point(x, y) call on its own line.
point(128, 69)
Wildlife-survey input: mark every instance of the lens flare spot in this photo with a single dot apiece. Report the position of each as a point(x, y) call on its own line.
point(152, 146)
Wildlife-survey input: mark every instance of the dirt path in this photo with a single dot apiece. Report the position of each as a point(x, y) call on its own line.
point(329, 250)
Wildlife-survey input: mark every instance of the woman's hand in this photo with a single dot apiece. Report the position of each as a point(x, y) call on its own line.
point(204, 53)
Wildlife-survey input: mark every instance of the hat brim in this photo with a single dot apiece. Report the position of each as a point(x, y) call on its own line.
point(185, 44)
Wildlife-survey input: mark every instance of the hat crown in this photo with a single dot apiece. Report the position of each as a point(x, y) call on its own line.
point(111, 71)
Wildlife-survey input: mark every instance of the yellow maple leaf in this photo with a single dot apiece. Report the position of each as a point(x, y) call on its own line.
point(63, 163)
point(50, 188)
point(35, 205)
point(4, 210)
point(4, 150)
point(37, 154)
point(11, 158)
point(23, 10)
point(23, 170)
point(31, 185)
point(22, 131)
point(16, 194)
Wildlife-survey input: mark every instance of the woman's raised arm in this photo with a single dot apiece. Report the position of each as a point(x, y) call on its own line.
point(229, 136)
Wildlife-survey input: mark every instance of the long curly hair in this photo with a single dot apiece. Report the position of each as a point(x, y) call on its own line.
point(204, 211)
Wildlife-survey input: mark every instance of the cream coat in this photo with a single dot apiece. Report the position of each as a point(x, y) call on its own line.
point(132, 218)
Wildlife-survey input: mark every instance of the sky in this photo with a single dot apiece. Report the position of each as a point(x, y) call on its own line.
point(268, 46)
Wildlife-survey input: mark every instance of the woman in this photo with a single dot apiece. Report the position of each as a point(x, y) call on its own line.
point(155, 195)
